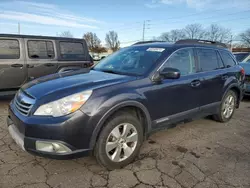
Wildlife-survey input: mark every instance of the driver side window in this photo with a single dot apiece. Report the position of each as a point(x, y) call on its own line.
point(183, 60)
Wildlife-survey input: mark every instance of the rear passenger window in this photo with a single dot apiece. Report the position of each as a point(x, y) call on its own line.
point(227, 59)
point(9, 49)
point(72, 50)
point(208, 59)
point(40, 49)
point(183, 60)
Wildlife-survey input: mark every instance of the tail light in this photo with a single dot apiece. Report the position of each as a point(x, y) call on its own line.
point(243, 73)
point(91, 64)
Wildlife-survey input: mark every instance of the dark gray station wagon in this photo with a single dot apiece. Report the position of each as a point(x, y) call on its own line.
point(24, 58)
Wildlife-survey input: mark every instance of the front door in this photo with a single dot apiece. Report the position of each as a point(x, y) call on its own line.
point(41, 57)
point(12, 69)
point(176, 99)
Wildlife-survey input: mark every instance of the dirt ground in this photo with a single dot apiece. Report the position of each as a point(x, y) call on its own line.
point(199, 154)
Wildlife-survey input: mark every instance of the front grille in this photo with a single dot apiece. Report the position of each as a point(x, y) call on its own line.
point(247, 79)
point(23, 103)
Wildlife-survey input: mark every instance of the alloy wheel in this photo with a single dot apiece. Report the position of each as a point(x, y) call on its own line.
point(228, 106)
point(121, 142)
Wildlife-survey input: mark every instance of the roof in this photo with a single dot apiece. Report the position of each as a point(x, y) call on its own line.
point(184, 43)
point(38, 37)
point(169, 45)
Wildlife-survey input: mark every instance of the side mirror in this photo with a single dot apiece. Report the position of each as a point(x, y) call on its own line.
point(170, 73)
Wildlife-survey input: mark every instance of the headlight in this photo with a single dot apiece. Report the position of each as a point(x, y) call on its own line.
point(63, 106)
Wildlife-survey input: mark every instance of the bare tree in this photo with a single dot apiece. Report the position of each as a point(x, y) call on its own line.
point(245, 37)
point(93, 42)
point(218, 33)
point(165, 37)
point(66, 34)
point(112, 40)
point(173, 35)
point(194, 31)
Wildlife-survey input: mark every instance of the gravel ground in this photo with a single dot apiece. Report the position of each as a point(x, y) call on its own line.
point(199, 154)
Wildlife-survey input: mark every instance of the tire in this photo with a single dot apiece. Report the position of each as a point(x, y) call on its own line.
point(108, 157)
point(221, 116)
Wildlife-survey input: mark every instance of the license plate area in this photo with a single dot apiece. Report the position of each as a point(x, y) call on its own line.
point(17, 136)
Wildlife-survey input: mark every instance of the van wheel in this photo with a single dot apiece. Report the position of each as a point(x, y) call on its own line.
point(227, 107)
point(120, 141)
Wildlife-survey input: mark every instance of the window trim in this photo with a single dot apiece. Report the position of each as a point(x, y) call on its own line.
point(69, 59)
point(46, 49)
point(18, 48)
point(185, 48)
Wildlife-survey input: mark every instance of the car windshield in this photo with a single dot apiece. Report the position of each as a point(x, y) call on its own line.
point(241, 56)
point(134, 60)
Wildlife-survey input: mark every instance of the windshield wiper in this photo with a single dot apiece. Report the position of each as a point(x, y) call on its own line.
point(110, 71)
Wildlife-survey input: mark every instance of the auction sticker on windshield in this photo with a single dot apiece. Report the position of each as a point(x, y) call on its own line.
point(155, 49)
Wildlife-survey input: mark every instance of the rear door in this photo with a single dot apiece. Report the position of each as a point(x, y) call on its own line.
point(212, 73)
point(41, 57)
point(12, 69)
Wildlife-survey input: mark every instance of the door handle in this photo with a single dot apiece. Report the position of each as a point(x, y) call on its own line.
point(195, 83)
point(30, 66)
point(224, 77)
point(17, 65)
point(49, 64)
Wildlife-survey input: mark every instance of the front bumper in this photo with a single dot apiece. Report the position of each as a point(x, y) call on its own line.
point(69, 131)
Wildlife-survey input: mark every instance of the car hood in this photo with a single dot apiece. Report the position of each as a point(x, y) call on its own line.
point(246, 67)
point(72, 82)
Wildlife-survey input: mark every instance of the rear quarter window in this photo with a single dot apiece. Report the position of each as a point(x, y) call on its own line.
point(72, 50)
point(227, 59)
point(9, 49)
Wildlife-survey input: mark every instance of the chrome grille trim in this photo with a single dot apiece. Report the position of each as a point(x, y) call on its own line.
point(23, 103)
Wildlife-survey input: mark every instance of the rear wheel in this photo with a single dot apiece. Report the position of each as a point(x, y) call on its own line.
point(227, 107)
point(120, 141)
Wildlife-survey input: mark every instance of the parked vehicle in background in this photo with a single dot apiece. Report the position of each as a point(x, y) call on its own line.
point(242, 56)
point(111, 109)
point(244, 60)
point(95, 56)
point(98, 57)
point(24, 58)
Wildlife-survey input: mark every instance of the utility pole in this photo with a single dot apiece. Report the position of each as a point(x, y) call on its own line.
point(19, 29)
point(145, 24)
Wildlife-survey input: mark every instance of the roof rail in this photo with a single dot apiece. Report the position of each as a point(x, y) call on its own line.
point(203, 42)
point(146, 42)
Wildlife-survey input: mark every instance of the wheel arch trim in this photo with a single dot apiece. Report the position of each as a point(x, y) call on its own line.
point(113, 110)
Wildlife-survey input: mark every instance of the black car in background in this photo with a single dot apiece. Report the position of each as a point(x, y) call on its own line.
point(110, 110)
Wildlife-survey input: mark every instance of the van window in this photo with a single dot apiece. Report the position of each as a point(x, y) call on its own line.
point(9, 49)
point(227, 59)
point(72, 50)
point(183, 60)
point(38, 49)
point(208, 60)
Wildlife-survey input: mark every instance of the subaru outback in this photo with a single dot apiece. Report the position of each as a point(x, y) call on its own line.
point(111, 109)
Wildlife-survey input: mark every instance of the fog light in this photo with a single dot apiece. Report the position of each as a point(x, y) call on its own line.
point(54, 147)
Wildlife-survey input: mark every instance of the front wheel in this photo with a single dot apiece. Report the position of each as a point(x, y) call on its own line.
point(120, 141)
point(227, 107)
